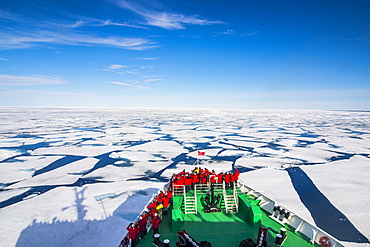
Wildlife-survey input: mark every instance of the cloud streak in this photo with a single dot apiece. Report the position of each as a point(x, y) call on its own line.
point(33, 39)
point(116, 66)
point(11, 80)
point(93, 22)
point(146, 58)
point(153, 80)
point(166, 20)
point(27, 32)
point(251, 34)
point(228, 32)
point(124, 24)
point(129, 86)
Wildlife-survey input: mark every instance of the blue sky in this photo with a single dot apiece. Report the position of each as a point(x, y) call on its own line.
point(196, 53)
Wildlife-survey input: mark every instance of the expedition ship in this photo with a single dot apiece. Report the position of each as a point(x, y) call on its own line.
point(202, 208)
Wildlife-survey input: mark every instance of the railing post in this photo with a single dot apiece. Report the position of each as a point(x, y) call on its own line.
point(224, 193)
point(195, 197)
point(236, 199)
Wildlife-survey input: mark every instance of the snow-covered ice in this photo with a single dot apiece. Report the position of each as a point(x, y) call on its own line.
point(78, 176)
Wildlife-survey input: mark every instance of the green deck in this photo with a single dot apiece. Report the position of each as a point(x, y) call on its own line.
point(223, 229)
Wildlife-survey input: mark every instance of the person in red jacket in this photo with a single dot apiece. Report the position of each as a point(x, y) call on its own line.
point(152, 207)
point(142, 225)
point(232, 179)
point(206, 172)
point(220, 178)
point(188, 183)
point(133, 234)
point(203, 178)
point(145, 216)
point(152, 212)
point(175, 182)
point(200, 177)
point(169, 194)
point(236, 175)
point(166, 203)
point(155, 223)
point(195, 178)
point(227, 180)
point(182, 173)
point(160, 196)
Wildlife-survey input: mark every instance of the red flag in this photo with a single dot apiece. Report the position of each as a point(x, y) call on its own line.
point(201, 153)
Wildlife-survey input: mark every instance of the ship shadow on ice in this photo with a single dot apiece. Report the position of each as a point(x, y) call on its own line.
point(84, 232)
point(38, 190)
point(323, 212)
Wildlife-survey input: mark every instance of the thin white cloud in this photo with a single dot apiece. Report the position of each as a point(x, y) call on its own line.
point(28, 32)
point(91, 22)
point(11, 80)
point(145, 58)
point(229, 32)
point(117, 66)
point(233, 32)
point(130, 86)
point(3, 59)
point(151, 80)
point(124, 24)
point(133, 72)
point(78, 23)
point(24, 40)
point(132, 81)
point(166, 20)
point(251, 34)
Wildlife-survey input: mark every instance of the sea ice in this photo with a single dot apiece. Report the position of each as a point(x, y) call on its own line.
point(78, 176)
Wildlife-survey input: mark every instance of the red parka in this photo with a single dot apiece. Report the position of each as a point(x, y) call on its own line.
point(155, 222)
point(212, 178)
point(166, 202)
point(169, 194)
point(133, 231)
point(236, 175)
point(220, 178)
point(227, 178)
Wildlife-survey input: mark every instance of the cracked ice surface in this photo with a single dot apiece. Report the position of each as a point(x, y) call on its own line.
point(80, 175)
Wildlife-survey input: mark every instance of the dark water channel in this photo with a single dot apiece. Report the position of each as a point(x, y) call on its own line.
point(324, 213)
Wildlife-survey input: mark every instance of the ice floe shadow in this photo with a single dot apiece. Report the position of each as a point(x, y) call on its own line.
point(25, 148)
point(157, 176)
point(90, 232)
point(325, 214)
point(184, 158)
point(104, 160)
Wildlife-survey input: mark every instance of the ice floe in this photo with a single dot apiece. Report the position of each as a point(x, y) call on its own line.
point(78, 176)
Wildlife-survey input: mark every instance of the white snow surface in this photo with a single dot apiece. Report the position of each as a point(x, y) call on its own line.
point(79, 176)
